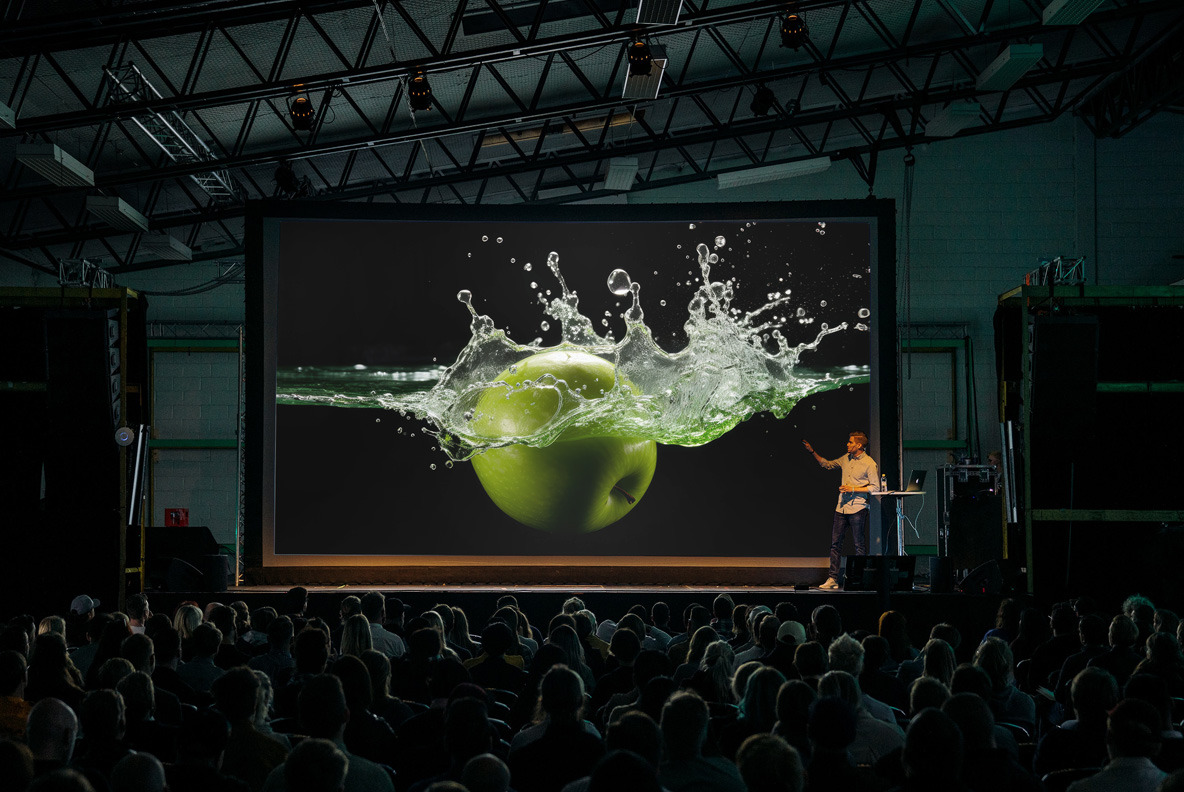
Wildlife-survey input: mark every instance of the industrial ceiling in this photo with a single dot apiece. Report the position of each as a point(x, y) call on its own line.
point(133, 132)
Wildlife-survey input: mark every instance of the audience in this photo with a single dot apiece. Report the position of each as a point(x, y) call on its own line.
point(751, 699)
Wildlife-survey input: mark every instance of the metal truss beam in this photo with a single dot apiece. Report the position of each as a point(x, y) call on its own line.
point(1154, 81)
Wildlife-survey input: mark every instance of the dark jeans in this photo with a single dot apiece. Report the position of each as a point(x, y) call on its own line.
point(857, 522)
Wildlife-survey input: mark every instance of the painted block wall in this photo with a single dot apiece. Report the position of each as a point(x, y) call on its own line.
point(986, 210)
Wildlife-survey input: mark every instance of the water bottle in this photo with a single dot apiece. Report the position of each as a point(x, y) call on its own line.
point(883, 483)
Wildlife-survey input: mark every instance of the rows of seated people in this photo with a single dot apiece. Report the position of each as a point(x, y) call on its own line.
point(219, 699)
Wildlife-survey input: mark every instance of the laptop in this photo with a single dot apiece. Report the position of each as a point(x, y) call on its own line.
point(916, 481)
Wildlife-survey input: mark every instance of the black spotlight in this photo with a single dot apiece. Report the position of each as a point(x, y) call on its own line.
point(762, 101)
point(302, 112)
point(793, 31)
point(419, 93)
point(640, 61)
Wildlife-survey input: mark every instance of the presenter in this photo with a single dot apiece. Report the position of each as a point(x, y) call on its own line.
point(860, 477)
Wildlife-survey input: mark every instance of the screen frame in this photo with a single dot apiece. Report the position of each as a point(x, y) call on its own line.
point(262, 565)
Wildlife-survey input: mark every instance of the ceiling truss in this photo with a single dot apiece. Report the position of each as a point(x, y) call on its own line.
point(533, 116)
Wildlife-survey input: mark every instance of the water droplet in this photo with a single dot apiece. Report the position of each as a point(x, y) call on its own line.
point(604, 323)
point(713, 258)
point(801, 312)
point(692, 226)
point(465, 296)
point(448, 464)
point(825, 326)
point(468, 415)
point(720, 241)
point(499, 240)
point(813, 406)
point(399, 430)
point(432, 466)
point(513, 260)
point(860, 326)
point(534, 285)
point(484, 238)
point(513, 369)
point(527, 267)
point(864, 313)
point(545, 325)
point(662, 303)
point(377, 420)
point(618, 282)
point(470, 255)
point(822, 225)
point(823, 303)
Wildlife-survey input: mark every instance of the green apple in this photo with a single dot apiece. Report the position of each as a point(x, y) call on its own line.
point(581, 482)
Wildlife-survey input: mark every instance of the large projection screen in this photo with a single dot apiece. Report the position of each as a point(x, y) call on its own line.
point(350, 307)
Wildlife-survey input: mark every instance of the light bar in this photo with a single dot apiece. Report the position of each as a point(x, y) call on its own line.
point(622, 171)
point(768, 173)
point(165, 247)
point(115, 212)
point(7, 117)
point(1012, 64)
point(953, 118)
point(1069, 12)
point(55, 165)
point(646, 86)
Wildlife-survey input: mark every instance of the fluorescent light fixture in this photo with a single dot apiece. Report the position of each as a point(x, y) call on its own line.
point(658, 12)
point(645, 86)
point(7, 117)
point(565, 128)
point(165, 247)
point(1069, 12)
point(768, 173)
point(1012, 64)
point(621, 173)
point(55, 165)
point(952, 119)
point(115, 212)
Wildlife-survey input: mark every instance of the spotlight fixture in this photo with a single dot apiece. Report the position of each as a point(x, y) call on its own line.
point(640, 60)
point(952, 119)
point(1069, 12)
point(419, 93)
point(55, 165)
point(793, 31)
point(762, 101)
point(1012, 64)
point(302, 112)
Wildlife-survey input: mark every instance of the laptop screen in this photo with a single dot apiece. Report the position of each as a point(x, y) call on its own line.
point(916, 481)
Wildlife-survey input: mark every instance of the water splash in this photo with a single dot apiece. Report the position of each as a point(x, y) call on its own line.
point(736, 364)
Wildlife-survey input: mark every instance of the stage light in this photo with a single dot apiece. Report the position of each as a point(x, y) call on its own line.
point(165, 247)
point(768, 173)
point(646, 86)
point(794, 32)
point(640, 60)
point(1012, 64)
point(419, 93)
point(302, 112)
point(762, 101)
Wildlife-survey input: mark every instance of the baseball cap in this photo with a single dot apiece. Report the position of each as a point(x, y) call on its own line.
point(791, 629)
point(395, 605)
point(83, 604)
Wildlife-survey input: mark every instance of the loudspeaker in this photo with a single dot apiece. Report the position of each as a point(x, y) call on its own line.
point(189, 544)
point(215, 570)
point(182, 576)
point(879, 573)
point(986, 579)
point(941, 575)
point(976, 530)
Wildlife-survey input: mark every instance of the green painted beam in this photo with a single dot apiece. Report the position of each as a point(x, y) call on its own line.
point(193, 344)
point(932, 445)
point(1141, 387)
point(1106, 515)
point(196, 442)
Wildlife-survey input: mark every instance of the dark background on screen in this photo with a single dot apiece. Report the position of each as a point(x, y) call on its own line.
point(348, 483)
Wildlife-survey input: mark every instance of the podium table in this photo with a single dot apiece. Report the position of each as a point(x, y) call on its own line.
point(898, 497)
